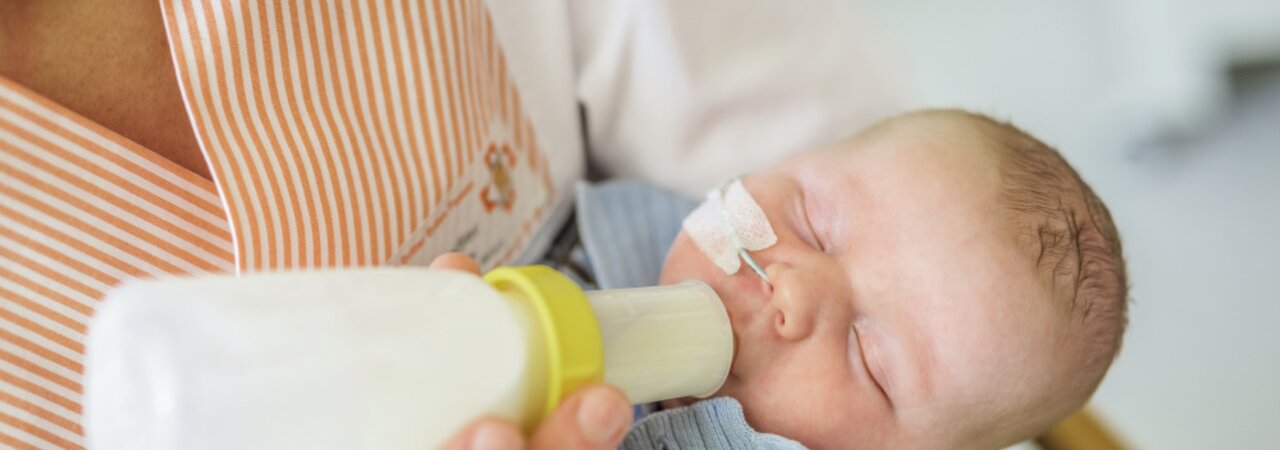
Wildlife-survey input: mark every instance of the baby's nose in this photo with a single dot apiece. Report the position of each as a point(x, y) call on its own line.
point(794, 301)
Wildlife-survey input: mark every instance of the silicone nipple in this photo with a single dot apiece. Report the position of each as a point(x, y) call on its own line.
point(664, 342)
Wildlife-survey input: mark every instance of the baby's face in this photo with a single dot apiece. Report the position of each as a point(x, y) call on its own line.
point(901, 313)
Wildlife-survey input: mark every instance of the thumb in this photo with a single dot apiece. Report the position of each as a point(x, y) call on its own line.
point(595, 417)
point(488, 433)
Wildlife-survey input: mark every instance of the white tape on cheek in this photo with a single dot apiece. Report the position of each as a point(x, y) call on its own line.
point(746, 217)
point(703, 226)
point(714, 225)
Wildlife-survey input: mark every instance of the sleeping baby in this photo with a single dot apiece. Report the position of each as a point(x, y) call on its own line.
point(938, 281)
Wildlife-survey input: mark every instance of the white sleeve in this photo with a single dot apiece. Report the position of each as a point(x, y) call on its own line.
point(688, 92)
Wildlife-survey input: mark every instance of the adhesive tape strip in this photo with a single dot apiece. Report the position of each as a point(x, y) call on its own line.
point(727, 225)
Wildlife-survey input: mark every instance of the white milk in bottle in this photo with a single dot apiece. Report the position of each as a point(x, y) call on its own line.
point(383, 358)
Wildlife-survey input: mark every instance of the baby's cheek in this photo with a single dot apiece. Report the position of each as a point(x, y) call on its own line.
point(683, 262)
point(804, 400)
point(776, 408)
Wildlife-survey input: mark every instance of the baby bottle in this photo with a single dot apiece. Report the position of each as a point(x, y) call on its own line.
point(381, 358)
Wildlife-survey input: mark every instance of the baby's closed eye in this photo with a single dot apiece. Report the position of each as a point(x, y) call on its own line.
point(869, 364)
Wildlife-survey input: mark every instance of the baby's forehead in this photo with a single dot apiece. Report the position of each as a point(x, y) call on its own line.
point(957, 151)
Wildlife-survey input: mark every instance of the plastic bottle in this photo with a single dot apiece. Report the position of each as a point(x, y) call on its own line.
point(381, 358)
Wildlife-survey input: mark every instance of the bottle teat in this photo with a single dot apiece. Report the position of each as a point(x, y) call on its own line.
point(664, 342)
point(654, 343)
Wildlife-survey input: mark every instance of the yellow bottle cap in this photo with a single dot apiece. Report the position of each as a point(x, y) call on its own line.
point(575, 349)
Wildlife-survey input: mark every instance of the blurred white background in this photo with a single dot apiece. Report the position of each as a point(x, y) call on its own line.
point(1171, 110)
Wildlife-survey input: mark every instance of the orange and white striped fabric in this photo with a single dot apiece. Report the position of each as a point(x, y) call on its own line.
point(338, 133)
point(81, 209)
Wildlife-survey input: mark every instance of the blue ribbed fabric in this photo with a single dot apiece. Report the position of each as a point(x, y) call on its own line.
point(626, 228)
point(717, 423)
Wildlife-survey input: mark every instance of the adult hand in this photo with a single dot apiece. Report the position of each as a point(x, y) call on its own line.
point(594, 417)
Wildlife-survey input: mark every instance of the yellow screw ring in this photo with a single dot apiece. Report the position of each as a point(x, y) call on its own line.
point(575, 349)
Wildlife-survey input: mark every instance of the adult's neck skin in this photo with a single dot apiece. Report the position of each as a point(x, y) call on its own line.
point(107, 60)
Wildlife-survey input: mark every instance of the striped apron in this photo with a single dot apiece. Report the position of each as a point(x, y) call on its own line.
point(344, 133)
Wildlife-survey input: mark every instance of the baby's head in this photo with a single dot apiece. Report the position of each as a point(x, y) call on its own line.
point(940, 280)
